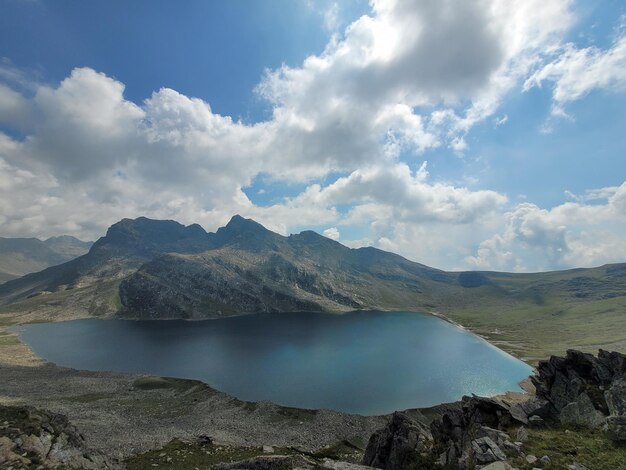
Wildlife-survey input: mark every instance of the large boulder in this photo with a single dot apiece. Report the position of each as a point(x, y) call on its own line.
point(403, 443)
point(617, 427)
point(473, 433)
point(615, 397)
point(582, 413)
point(571, 383)
point(34, 438)
point(585, 390)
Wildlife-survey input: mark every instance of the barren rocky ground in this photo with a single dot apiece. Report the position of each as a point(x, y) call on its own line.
point(122, 414)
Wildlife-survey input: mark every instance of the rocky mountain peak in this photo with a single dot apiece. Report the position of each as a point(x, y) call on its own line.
point(143, 235)
point(245, 233)
point(238, 223)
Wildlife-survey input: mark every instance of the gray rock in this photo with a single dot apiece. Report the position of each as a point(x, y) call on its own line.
point(512, 446)
point(545, 460)
point(522, 434)
point(499, 437)
point(535, 406)
point(616, 397)
point(498, 466)
point(617, 428)
point(518, 412)
point(483, 457)
point(486, 443)
point(402, 443)
point(535, 421)
point(581, 412)
point(576, 466)
point(335, 465)
point(35, 437)
point(531, 459)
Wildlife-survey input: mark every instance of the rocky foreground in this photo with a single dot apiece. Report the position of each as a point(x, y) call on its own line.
point(576, 420)
point(576, 393)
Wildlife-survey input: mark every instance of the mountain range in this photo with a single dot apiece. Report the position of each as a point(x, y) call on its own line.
point(19, 256)
point(156, 269)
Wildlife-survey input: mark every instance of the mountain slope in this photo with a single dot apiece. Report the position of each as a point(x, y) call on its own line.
point(19, 256)
point(252, 269)
point(88, 284)
point(68, 246)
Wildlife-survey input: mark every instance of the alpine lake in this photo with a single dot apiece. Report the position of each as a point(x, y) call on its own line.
point(365, 363)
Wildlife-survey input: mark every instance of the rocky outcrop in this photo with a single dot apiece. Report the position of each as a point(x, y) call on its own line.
point(579, 390)
point(585, 390)
point(473, 434)
point(33, 438)
point(467, 435)
point(403, 443)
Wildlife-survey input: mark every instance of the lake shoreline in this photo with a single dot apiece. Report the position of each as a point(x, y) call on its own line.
point(18, 353)
point(295, 350)
point(100, 401)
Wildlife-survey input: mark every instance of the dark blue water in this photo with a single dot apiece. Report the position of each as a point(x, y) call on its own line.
point(366, 362)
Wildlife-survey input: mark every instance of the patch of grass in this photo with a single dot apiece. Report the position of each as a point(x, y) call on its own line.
point(592, 448)
point(8, 340)
point(169, 397)
point(345, 451)
point(250, 406)
point(6, 320)
point(526, 329)
point(297, 414)
point(181, 455)
point(169, 383)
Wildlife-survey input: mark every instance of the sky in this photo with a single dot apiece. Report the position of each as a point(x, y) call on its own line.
point(484, 135)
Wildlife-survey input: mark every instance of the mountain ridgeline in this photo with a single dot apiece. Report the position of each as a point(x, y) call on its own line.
point(161, 269)
point(251, 269)
point(155, 269)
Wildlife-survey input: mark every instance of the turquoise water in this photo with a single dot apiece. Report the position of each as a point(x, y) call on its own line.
point(364, 362)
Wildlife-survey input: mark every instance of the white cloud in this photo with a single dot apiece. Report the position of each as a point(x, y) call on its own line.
point(497, 122)
point(332, 233)
point(571, 234)
point(575, 72)
point(406, 56)
point(395, 192)
point(407, 78)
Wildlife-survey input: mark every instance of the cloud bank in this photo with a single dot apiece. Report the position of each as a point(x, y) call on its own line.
point(399, 82)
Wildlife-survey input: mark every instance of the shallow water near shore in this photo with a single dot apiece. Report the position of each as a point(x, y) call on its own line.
point(364, 362)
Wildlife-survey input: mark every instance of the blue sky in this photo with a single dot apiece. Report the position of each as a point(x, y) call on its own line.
point(465, 136)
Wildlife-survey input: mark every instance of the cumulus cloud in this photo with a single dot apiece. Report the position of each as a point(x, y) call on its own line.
point(332, 233)
point(397, 193)
point(570, 234)
point(404, 79)
point(382, 79)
